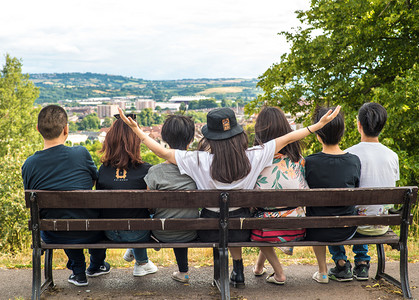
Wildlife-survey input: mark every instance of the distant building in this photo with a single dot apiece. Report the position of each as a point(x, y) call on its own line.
point(142, 104)
point(187, 99)
point(104, 111)
point(121, 103)
point(168, 105)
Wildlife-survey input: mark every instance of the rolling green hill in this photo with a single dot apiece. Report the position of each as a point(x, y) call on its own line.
point(61, 86)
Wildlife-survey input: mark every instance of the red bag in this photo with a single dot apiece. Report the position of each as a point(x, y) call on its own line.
point(277, 236)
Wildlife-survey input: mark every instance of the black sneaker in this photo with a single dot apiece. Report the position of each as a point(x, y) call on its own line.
point(361, 271)
point(103, 269)
point(339, 273)
point(78, 280)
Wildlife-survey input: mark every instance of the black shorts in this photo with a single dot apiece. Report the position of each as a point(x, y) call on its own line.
point(233, 235)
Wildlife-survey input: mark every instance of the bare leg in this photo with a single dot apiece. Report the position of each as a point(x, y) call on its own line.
point(320, 252)
point(270, 255)
point(260, 263)
point(236, 252)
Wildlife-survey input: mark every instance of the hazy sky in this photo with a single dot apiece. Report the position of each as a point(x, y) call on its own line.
point(159, 39)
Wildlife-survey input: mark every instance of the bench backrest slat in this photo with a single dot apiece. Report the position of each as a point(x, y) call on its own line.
point(210, 198)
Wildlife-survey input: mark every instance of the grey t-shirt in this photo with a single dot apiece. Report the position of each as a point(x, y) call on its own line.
point(167, 177)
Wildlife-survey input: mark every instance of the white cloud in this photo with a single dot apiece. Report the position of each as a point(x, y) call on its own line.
point(149, 39)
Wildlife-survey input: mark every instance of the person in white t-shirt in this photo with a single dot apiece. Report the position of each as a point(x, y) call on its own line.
point(379, 168)
point(226, 163)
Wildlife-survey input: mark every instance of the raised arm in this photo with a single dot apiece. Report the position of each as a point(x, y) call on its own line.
point(159, 150)
point(299, 134)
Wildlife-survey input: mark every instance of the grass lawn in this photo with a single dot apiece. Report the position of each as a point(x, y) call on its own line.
point(201, 257)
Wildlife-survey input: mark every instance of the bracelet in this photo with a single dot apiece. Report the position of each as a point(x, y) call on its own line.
point(309, 130)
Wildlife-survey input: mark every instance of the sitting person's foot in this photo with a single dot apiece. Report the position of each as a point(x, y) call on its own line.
point(287, 250)
point(276, 278)
point(103, 269)
point(129, 255)
point(320, 278)
point(361, 270)
point(259, 272)
point(181, 277)
point(341, 273)
point(144, 269)
point(78, 279)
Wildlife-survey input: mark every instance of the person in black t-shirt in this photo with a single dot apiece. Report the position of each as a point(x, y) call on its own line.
point(123, 169)
point(331, 168)
point(60, 168)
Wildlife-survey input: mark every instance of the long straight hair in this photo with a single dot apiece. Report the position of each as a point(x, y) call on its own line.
point(272, 123)
point(230, 162)
point(121, 148)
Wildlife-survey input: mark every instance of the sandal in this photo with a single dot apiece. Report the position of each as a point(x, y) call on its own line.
point(261, 273)
point(272, 279)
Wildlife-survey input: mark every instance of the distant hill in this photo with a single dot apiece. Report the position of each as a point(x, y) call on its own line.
point(72, 86)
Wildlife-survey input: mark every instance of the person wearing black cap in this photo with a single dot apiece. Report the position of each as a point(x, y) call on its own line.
point(226, 163)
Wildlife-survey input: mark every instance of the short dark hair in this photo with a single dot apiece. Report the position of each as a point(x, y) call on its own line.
point(272, 123)
point(373, 117)
point(178, 131)
point(332, 132)
point(52, 120)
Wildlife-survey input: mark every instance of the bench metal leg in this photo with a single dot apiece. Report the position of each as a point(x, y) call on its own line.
point(381, 265)
point(216, 256)
point(404, 274)
point(36, 273)
point(48, 270)
point(224, 280)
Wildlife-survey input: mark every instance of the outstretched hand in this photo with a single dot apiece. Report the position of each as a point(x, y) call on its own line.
point(329, 116)
point(129, 121)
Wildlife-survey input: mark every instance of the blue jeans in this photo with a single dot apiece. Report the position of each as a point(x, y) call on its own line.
point(76, 260)
point(361, 253)
point(131, 236)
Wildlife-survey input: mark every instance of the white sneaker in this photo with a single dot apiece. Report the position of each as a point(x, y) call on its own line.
point(129, 255)
point(142, 270)
point(320, 278)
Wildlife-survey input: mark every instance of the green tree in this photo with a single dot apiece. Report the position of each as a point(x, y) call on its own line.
point(18, 140)
point(107, 122)
point(89, 122)
point(226, 103)
point(348, 53)
point(18, 117)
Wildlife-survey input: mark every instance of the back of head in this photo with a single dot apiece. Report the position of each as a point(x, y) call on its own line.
point(178, 131)
point(52, 119)
point(272, 123)
point(332, 132)
point(227, 141)
point(121, 148)
point(373, 117)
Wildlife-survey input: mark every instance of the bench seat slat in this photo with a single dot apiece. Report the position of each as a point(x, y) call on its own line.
point(389, 238)
point(211, 224)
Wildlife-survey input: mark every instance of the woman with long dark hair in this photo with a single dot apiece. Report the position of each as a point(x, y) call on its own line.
point(286, 172)
point(123, 169)
point(227, 163)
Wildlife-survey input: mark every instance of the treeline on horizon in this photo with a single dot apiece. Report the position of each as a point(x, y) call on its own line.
point(72, 86)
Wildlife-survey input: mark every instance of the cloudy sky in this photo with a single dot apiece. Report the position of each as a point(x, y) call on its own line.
point(160, 39)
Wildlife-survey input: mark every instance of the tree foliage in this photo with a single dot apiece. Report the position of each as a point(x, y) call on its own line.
point(18, 118)
point(350, 52)
point(18, 140)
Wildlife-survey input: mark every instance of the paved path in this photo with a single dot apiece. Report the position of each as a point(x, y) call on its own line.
point(120, 284)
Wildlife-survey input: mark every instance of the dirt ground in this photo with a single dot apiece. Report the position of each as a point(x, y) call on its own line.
point(120, 284)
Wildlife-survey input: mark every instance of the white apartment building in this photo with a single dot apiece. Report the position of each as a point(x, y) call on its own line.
point(107, 110)
point(142, 104)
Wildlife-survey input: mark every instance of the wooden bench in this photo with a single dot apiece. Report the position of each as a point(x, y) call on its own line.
point(36, 200)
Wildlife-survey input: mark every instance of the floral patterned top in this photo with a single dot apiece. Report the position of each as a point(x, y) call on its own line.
point(283, 174)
